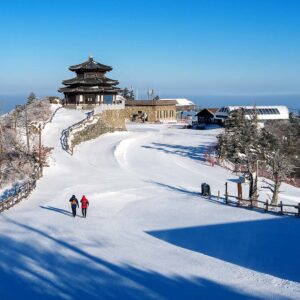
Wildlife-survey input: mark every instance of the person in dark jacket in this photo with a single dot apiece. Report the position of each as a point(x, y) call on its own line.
point(74, 204)
point(84, 205)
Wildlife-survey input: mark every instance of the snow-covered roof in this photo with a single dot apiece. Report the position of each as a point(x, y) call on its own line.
point(181, 101)
point(266, 112)
point(120, 98)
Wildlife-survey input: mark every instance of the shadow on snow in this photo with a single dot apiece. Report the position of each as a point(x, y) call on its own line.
point(269, 246)
point(192, 152)
point(63, 271)
point(176, 189)
point(58, 210)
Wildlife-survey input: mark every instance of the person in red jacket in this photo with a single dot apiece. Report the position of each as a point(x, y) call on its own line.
point(84, 205)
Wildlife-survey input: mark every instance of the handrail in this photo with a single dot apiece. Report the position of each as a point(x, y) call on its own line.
point(266, 205)
point(23, 191)
point(66, 134)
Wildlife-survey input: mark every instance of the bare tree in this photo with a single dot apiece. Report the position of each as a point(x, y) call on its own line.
point(281, 167)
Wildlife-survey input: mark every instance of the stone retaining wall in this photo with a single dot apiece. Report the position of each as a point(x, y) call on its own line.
point(109, 121)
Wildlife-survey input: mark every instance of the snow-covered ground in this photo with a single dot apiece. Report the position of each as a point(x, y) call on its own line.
point(148, 234)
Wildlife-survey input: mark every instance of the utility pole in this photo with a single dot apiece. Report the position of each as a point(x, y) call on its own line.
point(26, 127)
point(40, 144)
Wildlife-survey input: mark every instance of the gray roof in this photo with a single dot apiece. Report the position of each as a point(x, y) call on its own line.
point(90, 65)
point(89, 89)
point(91, 81)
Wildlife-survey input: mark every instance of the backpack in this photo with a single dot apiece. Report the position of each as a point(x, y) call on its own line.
point(74, 202)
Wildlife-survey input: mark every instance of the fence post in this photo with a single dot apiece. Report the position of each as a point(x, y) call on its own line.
point(267, 205)
point(281, 207)
point(251, 205)
point(226, 193)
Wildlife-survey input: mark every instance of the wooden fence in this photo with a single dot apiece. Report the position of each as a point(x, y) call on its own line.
point(23, 191)
point(261, 205)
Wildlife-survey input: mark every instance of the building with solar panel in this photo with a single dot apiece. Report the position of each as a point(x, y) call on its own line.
point(264, 113)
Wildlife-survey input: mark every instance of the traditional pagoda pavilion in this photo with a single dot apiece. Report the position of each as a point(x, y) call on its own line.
point(90, 86)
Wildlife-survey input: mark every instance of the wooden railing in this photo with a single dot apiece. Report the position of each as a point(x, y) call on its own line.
point(51, 118)
point(113, 106)
point(23, 191)
point(265, 205)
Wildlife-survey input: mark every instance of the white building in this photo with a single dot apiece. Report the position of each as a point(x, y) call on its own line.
point(181, 102)
point(264, 113)
point(185, 109)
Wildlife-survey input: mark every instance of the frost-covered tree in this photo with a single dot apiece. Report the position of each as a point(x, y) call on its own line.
point(239, 144)
point(31, 97)
point(16, 163)
point(128, 94)
point(277, 144)
point(281, 167)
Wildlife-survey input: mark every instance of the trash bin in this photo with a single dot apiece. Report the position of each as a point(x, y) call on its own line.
point(205, 189)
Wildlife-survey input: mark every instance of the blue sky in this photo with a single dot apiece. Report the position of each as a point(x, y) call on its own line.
point(203, 47)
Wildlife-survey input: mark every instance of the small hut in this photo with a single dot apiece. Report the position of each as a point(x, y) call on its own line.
point(206, 115)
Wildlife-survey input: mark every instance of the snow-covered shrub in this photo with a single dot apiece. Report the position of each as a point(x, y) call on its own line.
point(17, 160)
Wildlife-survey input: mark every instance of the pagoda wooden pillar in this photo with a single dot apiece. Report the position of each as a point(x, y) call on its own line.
point(98, 99)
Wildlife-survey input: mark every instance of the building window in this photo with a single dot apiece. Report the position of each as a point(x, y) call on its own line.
point(108, 99)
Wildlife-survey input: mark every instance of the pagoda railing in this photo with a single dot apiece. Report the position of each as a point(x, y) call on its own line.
point(102, 107)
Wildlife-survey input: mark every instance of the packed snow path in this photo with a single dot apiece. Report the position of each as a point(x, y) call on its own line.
point(148, 234)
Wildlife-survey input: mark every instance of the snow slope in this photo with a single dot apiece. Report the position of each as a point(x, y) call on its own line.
point(148, 234)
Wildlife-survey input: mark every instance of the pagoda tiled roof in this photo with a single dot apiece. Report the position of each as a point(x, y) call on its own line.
point(89, 89)
point(90, 65)
point(91, 81)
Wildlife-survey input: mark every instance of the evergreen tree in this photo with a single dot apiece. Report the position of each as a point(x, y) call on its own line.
point(239, 144)
point(277, 144)
point(128, 94)
point(31, 98)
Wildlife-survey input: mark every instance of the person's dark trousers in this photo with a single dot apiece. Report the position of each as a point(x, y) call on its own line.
point(84, 212)
point(74, 210)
